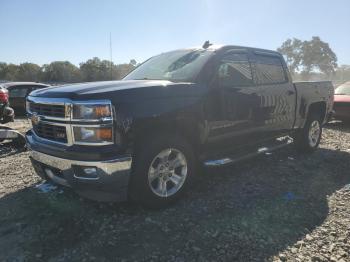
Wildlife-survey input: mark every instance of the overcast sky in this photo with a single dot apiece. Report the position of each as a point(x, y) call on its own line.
point(45, 31)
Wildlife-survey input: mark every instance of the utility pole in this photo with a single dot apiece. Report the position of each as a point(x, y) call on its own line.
point(110, 53)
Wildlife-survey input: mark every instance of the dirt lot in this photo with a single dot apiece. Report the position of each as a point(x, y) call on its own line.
point(281, 206)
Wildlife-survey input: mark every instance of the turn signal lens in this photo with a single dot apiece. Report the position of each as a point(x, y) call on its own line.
point(102, 111)
point(104, 133)
point(93, 134)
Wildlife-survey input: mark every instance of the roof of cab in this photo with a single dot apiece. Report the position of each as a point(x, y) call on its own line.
point(226, 47)
point(254, 49)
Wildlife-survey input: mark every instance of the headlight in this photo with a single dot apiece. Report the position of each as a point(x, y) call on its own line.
point(93, 134)
point(100, 114)
point(91, 111)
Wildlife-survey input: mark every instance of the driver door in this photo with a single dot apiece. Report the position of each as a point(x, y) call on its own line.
point(238, 100)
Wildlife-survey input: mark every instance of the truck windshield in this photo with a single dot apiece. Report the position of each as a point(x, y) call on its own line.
point(343, 90)
point(176, 66)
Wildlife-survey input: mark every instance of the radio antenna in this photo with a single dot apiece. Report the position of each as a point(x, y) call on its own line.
point(111, 54)
point(206, 44)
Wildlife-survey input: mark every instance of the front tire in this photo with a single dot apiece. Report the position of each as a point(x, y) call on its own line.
point(307, 139)
point(162, 171)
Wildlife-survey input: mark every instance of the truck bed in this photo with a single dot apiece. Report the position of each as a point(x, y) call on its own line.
point(312, 92)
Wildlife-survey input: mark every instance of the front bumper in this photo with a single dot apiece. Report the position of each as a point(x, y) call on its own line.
point(106, 180)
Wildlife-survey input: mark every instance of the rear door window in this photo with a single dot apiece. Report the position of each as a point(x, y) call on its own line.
point(269, 70)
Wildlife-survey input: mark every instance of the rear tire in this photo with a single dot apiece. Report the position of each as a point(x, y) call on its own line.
point(308, 138)
point(162, 171)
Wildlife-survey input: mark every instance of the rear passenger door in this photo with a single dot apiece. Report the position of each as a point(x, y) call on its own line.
point(278, 98)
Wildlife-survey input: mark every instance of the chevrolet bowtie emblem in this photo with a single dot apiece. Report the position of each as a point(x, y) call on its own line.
point(35, 119)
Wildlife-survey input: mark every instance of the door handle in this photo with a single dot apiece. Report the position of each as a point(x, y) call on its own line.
point(290, 92)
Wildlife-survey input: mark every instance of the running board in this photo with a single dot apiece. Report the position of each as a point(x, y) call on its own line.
point(281, 142)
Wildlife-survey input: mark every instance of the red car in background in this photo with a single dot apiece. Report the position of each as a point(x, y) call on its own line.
point(6, 113)
point(342, 102)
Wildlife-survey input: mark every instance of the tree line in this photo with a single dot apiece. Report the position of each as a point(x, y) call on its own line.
point(307, 60)
point(313, 60)
point(93, 69)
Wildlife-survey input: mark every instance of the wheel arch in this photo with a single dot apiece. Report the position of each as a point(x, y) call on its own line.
point(150, 136)
point(318, 108)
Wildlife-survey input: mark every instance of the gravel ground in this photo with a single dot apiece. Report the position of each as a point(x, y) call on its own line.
point(278, 207)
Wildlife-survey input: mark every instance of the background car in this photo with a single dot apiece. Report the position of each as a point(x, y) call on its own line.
point(6, 113)
point(341, 105)
point(18, 91)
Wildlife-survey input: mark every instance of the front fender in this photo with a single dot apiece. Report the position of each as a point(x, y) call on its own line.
point(182, 116)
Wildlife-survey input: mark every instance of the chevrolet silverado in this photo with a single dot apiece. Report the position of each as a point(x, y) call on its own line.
point(144, 137)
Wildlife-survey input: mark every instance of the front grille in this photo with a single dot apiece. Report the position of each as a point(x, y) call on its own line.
point(48, 109)
point(51, 132)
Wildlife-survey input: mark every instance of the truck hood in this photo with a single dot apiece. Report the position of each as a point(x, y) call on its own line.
point(121, 90)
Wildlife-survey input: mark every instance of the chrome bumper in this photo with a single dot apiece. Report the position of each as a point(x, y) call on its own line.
point(109, 167)
point(111, 175)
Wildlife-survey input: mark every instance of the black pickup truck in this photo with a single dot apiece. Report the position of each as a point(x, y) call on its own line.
point(144, 137)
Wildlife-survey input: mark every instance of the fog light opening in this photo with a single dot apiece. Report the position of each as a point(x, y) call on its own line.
point(90, 171)
point(85, 172)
